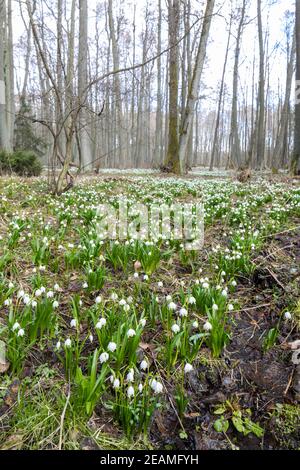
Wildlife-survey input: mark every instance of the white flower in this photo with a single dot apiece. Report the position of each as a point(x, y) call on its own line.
point(56, 287)
point(58, 345)
point(130, 391)
point(122, 302)
point(21, 332)
point(140, 388)
point(55, 304)
point(20, 294)
point(43, 289)
point(183, 312)
point(100, 324)
point(168, 298)
point(68, 343)
point(224, 293)
point(195, 325)
point(114, 296)
point(175, 328)
point(112, 347)
point(172, 306)
point(7, 302)
point(205, 285)
point(50, 294)
point(10, 285)
point(130, 376)
point(136, 275)
point(287, 316)
point(188, 368)
point(16, 326)
point(26, 299)
point(131, 333)
point(160, 284)
point(126, 308)
point(34, 304)
point(192, 300)
point(104, 357)
point(73, 323)
point(234, 283)
point(207, 326)
point(215, 307)
point(143, 322)
point(116, 383)
point(144, 365)
point(98, 299)
point(153, 383)
point(85, 285)
point(91, 338)
point(158, 388)
point(230, 307)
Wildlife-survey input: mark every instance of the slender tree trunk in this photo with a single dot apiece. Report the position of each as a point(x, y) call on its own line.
point(192, 98)
point(172, 157)
point(295, 167)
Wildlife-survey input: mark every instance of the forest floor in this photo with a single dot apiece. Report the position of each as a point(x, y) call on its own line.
point(90, 356)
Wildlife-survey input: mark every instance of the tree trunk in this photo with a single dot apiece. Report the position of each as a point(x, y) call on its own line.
point(192, 98)
point(295, 167)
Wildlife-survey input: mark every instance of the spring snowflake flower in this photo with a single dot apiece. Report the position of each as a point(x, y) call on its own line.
point(195, 325)
point(143, 322)
point(55, 304)
point(104, 357)
point(130, 391)
point(131, 333)
point(215, 307)
point(33, 303)
point(7, 302)
point(144, 365)
point(11, 285)
point(168, 298)
point(91, 338)
point(16, 326)
point(230, 307)
point(100, 324)
point(68, 343)
point(26, 300)
point(287, 316)
point(160, 284)
point(158, 388)
point(141, 388)
point(114, 296)
point(50, 294)
point(98, 299)
point(207, 326)
point(205, 285)
point(146, 277)
point(73, 323)
point(136, 275)
point(183, 312)
point(85, 285)
point(172, 306)
point(175, 328)
point(122, 302)
point(116, 384)
point(224, 293)
point(56, 287)
point(126, 308)
point(21, 332)
point(112, 347)
point(130, 376)
point(234, 283)
point(58, 345)
point(188, 368)
point(192, 300)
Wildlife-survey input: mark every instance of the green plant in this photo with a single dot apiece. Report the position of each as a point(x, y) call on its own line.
point(241, 420)
point(89, 387)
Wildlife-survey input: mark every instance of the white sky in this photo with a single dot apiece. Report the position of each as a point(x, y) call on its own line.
point(274, 15)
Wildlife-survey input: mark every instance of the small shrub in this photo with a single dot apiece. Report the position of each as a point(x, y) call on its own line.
point(26, 163)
